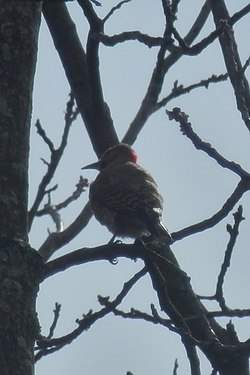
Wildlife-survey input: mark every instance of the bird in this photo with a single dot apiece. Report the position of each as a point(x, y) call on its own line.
point(124, 196)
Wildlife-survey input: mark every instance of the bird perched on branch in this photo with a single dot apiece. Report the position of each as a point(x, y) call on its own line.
point(124, 197)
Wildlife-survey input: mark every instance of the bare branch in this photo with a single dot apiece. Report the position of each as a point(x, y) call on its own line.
point(231, 313)
point(186, 129)
point(56, 240)
point(231, 57)
point(150, 101)
point(158, 75)
point(42, 133)
point(148, 40)
point(227, 207)
point(112, 11)
point(56, 217)
point(233, 232)
point(176, 365)
point(47, 346)
point(238, 15)
point(97, 3)
point(179, 90)
point(85, 255)
point(55, 321)
point(82, 72)
point(243, 186)
point(80, 188)
point(192, 356)
point(55, 157)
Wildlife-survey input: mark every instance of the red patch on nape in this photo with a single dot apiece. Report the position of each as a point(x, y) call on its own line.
point(133, 156)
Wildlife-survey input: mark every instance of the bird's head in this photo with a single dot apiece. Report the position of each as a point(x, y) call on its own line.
point(119, 154)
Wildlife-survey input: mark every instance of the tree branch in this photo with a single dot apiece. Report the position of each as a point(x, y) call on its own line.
point(231, 57)
point(56, 240)
point(80, 188)
point(186, 129)
point(156, 80)
point(76, 63)
point(179, 90)
point(85, 255)
point(55, 157)
point(227, 207)
point(88, 320)
point(112, 11)
point(233, 232)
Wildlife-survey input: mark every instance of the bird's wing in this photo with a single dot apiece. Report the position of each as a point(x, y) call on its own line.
point(127, 187)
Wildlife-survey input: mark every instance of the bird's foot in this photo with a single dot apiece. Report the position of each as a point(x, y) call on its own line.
point(112, 260)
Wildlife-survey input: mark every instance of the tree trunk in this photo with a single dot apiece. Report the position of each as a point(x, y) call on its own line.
point(19, 265)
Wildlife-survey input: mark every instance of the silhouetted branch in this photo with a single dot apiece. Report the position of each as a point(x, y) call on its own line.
point(125, 36)
point(233, 232)
point(231, 57)
point(139, 315)
point(44, 136)
point(238, 15)
point(55, 157)
point(85, 255)
point(179, 90)
point(47, 346)
point(149, 102)
point(176, 365)
point(56, 240)
point(156, 81)
point(227, 207)
point(232, 313)
point(186, 129)
point(55, 321)
point(111, 12)
point(81, 74)
point(192, 357)
point(80, 188)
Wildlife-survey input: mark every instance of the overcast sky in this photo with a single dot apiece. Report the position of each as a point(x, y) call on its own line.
point(193, 186)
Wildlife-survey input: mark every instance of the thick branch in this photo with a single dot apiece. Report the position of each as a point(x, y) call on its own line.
point(74, 59)
point(232, 58)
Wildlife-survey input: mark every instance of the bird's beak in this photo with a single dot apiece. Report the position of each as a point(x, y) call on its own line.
point(95, 165)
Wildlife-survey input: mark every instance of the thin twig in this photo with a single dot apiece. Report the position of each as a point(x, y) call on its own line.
point(210, 222)
point(41, 131)
point(55, 158)
point(47, 346)
point(176, 365)
point(80, 188)
point(186, 129)
point(111, 12)
point(55, 321)
point(179, 90)
point(233, 232)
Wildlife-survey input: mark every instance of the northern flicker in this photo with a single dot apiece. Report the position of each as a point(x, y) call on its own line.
point(124, 197)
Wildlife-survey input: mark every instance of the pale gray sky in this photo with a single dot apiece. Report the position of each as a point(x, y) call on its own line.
point(193, 186)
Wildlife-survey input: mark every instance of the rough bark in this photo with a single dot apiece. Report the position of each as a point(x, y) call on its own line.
point(19, 265)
